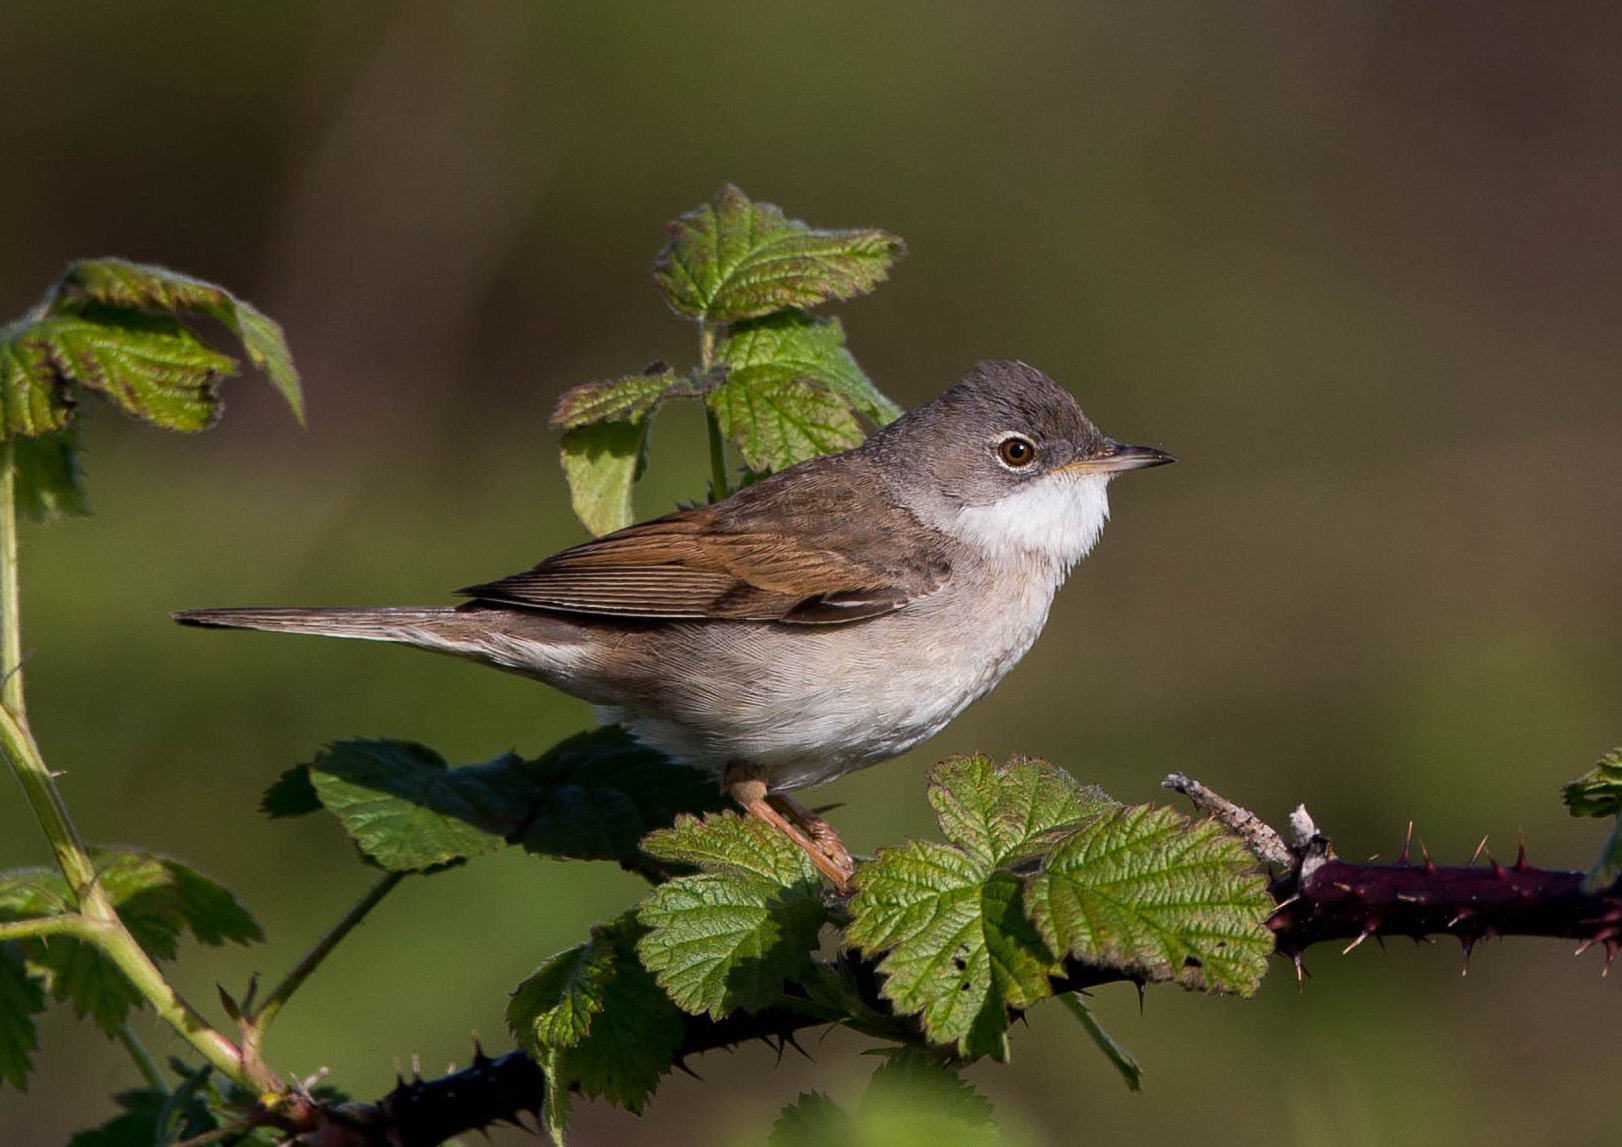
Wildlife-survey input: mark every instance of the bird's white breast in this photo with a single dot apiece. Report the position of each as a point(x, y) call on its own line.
point(1057, 518)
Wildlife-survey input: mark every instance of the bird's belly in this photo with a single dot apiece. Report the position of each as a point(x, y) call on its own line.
point(807, 704)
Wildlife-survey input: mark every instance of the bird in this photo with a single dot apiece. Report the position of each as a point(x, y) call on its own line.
point(823, 619)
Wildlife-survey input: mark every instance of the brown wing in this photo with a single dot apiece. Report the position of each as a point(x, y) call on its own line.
point(809, 547)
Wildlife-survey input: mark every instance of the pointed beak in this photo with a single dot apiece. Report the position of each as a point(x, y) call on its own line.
point(1118, 456)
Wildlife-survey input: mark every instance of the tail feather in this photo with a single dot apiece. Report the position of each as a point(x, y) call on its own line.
point(390, 623)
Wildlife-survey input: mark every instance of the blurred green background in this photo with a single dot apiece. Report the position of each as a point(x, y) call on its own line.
point(1357, 264)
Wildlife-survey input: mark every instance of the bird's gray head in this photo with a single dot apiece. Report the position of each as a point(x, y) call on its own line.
point(1006, 460)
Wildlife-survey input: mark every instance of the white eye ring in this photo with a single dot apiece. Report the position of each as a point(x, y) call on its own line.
point(1016, 452)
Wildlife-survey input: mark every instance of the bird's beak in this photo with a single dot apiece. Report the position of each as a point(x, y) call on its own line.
point(1118, 456)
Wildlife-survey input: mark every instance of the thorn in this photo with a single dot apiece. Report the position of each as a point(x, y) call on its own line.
point(1498, 870)
point(1430, 865)
point(1406, 841)
point(416, 1068)
point(1463, 915)
point(1467, 943)
point(1480, 848)
point(1361, 936)
point(1139, 984)
point(681, 1066)
point(480, 1060)
point(1283, 904)
point(1520, 854)
point(1610, 955)
point(1585, 945)
point(794, 1043)
point(1301, 972)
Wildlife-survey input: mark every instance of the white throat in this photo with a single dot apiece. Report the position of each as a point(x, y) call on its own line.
point(1055, 519)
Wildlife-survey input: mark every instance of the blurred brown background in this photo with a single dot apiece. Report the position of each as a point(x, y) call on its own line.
point(1357, 264)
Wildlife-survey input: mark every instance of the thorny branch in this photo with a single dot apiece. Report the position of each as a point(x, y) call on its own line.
point(1321, 899)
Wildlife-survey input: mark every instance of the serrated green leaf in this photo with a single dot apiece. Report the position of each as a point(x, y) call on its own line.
point(1001, 813)
point(22, 997)
point(727, 937)
point(79, 974)
point(35, 396)
point(1122, 1060)
point(734, 259)
point(1598, 792)
point(29, 892)
point(158, 290)
point(601, 461)
point(911, 1082)
point(594, 1018)
point(793, 346)
point(1147, 891)
point(776, 424)
point(629, 399)
point(599, 793)
point(50, 484)
point(149, 366)
point(291, 794)
point(407, 810)
point(212, 912)
point(957, 948)
point(813, 1120)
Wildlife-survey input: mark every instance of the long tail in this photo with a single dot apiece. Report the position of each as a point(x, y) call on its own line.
point(404, 624)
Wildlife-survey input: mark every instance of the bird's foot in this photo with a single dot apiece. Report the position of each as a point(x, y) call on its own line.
point(819, 840)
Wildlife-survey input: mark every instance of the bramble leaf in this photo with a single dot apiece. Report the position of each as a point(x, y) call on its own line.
point(599, 793)
point(22, 996)
point(999, 813)
point(734, 259)
point(1148, 891)
point(629, 399)
point(911, 1101)
point(50, 484)
point(601, 460)
point(158, 290)
point(407, 810)
point(1598, 792)
point(592, 1017)
point(792, 390)
point(151, 1116)
point(728, 936)
point(958, 949)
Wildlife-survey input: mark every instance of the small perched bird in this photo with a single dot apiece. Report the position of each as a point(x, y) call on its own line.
point(821, 620)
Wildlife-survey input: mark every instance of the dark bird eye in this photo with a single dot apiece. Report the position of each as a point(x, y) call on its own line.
point(1016, 451)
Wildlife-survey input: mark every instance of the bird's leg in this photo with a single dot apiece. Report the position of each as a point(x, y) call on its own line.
point(813, 834)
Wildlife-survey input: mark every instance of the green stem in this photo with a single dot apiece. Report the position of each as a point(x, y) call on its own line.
point(257, 1022)
point(719, 487)
point(11, 634)
point(67, 924)
point(144, 1062)
point(98, 921)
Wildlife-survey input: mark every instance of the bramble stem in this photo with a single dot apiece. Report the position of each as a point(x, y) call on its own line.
point(97, 921)
point(719, 487)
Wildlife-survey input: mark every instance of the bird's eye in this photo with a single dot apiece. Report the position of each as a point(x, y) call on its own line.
point(1016, 451)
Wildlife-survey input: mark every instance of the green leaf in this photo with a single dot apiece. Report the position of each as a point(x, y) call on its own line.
point(35, 393)
point(593, 1018)
point(22, 997)
point(727, 937)
point(158, 899)
point(158, 290)
point(599, 793)
point(792, 346)
point(1121, 1059)
point(1000, 813)
point(29, 892)
point(1147, 891)
point(813, 1120)
point(50, 484)
point(957, 948)
point(1598, 792)
point(407, 810)
point(629, 399)
point(912, 1100)
point(735, 259)
point(601, 461)
point(792, 390)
